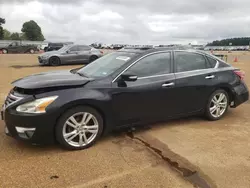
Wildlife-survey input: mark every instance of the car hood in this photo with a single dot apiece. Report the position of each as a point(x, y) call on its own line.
point(51, 79)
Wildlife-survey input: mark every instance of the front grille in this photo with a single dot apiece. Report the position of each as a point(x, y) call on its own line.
point(10, 99)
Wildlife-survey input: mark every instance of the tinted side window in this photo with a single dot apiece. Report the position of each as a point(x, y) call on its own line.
point(186, 61)
point(212, 61)
point(152, 65)
point(74, 48)
point(84, 48)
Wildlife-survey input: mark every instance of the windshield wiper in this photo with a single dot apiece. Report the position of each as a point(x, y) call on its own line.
point(81, 74)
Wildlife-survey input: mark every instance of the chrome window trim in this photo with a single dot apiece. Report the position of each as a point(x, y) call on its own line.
point(155, 76)
point(217, 65)
point(209, 69)
point(137, 61)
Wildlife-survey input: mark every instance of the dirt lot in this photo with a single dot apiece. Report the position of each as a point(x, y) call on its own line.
point(179, 153)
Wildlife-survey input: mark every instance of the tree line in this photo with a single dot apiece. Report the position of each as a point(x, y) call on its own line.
point(30, 31)
point(243, 41)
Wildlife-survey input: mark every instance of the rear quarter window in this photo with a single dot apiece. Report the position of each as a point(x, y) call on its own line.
point(221, 65)
point(212, 61)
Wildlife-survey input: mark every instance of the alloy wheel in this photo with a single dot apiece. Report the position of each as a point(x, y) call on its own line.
point(54, 61)
point(218, 105)
point(5, 51)
point(80, 129)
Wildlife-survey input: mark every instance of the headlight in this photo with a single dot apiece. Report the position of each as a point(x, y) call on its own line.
point(37, 106)
point(44, 56)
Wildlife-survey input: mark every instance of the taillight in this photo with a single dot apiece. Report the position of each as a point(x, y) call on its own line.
point(101, 51)
point(240, 74)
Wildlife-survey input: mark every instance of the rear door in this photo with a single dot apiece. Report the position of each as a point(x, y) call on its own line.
point(195, 79)
point(150, 97)
point(83, 53)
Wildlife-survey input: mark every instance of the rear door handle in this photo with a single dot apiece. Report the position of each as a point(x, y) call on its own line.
point(168, 84)
point(210, 77)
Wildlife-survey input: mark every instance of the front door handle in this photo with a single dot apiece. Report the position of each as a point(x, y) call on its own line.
point(168, 84)
point(210, 77)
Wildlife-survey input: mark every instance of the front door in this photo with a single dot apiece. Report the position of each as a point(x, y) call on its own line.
point(13, 47)
point(70, 57)
point(150, 97)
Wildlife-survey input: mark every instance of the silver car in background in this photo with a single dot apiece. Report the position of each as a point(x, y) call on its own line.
point(70, 54)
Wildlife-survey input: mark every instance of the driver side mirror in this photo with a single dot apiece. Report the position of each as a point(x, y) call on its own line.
point(10, 45)
point(129, 77)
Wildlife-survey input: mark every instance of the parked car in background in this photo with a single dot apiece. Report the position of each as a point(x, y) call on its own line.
point(55, 46)
point(70, 54)
point(19, 47)
point(43, 46)
point(124, 88)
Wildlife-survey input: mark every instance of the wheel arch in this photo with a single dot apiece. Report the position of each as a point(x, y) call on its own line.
point(93, 56)
point(4, 49)
point(28, 50)
point(228, 88)
point(229, 92)
point(55, 56)
point(225, 87)
point(75, 104)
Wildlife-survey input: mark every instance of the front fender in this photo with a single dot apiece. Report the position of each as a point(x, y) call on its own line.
point(94, 98)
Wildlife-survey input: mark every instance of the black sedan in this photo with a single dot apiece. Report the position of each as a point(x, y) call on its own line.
point(124, 88)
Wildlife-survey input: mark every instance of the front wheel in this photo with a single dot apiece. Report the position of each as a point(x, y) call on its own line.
point(54, 61)
point(217, 105)
point(32, 51)
point(5, 51)
point(92, 58)
point(79, 128)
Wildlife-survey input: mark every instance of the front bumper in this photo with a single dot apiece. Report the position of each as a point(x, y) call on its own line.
point(37, 129)
point(43, 61)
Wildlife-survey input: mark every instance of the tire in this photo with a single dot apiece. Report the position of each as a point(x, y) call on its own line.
point(92, 58)
point(54, 61)
point(5, 51)
point(72, 141)
point(32, 51)
point(217, 107)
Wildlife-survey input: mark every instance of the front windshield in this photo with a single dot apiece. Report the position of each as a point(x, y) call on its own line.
point(106, 65)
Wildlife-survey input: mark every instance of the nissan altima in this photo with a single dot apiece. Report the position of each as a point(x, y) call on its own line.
point(128, 87)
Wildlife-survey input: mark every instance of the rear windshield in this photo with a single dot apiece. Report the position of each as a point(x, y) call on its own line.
point(106, 65)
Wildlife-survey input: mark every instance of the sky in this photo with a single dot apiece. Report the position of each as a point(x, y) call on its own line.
point(131, 21)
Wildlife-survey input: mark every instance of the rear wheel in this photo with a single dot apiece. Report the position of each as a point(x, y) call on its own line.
point(79, 128)
point(32, 51)
point(5, 51)
point(54, 61)
point(217, 105)
point(92, 58)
